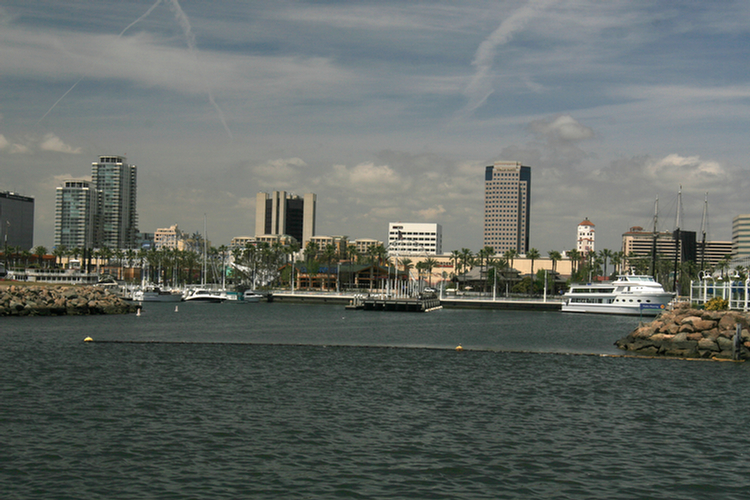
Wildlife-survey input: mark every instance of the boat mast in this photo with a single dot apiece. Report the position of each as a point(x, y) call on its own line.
point(203, 269)
point(704, 230)
point(655, 236)
point(677, 240)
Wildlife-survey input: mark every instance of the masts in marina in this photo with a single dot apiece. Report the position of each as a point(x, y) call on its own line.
point(677, 239)
point(704, 230)
point(655, 236)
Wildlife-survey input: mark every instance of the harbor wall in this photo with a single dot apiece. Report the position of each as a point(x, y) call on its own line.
point(17, 300)
point(691, 333)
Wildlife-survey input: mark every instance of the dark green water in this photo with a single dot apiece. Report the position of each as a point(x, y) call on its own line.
point(315, 402)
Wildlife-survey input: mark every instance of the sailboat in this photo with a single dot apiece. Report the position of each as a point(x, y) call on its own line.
point(204, 293)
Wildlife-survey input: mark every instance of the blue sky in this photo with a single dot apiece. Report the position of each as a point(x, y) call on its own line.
point(389, 111)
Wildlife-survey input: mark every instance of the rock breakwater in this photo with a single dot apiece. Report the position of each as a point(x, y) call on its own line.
point(60, 300)
point(691, 333)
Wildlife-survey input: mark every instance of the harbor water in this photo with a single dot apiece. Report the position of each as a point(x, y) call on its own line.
point(270, 401)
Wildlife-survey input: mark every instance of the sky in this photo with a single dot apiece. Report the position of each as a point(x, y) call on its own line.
point(388, 111)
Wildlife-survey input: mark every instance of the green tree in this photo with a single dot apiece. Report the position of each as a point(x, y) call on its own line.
point(467, 261)
point(532, 255)
point(575, 260)
point(39, 251)
point(429, 264)
point(329, 255)
point(606, 254)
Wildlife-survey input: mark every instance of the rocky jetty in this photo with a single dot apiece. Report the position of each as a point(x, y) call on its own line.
point(18, 300)
point(691, 333)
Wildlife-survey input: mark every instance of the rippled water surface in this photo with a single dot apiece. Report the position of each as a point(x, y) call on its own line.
point(300, 401)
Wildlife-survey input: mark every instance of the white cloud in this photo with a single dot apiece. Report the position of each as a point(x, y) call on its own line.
point(366, 177)
point(690, 171)
point(13, 148)
point(53, 143)
point(279, 174)
point(19, 149)
point(562, 128)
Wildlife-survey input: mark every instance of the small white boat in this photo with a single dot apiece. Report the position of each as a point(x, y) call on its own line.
point(251, 296)
point(204, 295)
point(629, 294)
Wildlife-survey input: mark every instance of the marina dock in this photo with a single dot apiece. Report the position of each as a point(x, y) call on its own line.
point(378, 303)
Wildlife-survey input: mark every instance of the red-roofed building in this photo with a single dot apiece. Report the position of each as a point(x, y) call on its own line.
point(586, 232)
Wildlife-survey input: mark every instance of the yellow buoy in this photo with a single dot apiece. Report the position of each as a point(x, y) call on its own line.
point(459, 348)
point(88, 339)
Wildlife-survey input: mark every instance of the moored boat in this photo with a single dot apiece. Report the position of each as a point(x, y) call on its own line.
point(156, 294)
point(204, 295)
point(628, 294)
point(251, 296)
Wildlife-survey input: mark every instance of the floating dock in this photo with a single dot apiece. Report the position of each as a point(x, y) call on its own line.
point(407, 305)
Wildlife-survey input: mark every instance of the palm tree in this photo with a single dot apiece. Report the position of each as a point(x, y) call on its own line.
point(40, 251)
point(467, 260)
point(509, 255)
point(429, 264)
point(329, 255)
point(554, 256)
point(532, 255)
point(483, 255)
point(351, 254)
point(420, 270)
point(575, 257)
point(26, 255)
point(497, 264)
point(723, 264)
point(456, 261)
point(606, 255)
point(372, 254)
point(105, 255)
point(617, 259)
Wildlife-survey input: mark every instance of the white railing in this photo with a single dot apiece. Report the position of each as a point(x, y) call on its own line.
point(735, 292)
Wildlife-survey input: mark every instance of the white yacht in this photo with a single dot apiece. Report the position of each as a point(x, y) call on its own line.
point(629, 294)
point(204, 295)
point(250, 296)
point(156, 294)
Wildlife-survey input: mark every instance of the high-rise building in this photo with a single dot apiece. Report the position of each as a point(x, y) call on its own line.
point(741, 237)
point(507, 206)
point(282, 213)
point(16, 220)
point(414, 238)
point(76, 212)
point(116, 182)
point(586, 237)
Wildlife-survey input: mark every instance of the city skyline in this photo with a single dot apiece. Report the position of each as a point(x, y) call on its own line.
point(386, 111)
